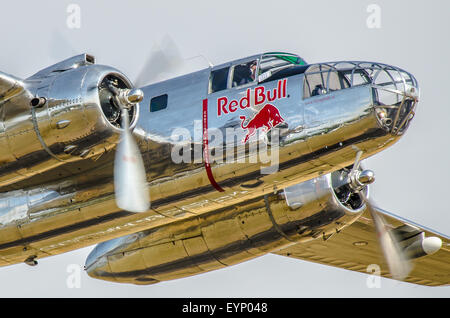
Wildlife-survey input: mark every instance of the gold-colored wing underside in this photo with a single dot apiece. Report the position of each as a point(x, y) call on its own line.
point(348, 250)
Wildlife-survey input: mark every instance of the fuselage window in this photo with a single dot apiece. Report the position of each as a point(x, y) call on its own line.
point(158, 103)
point(314, 85)
point(358, 77)
point(244, 73)
point(335, 81)
point(320, 80)
point(219, 80)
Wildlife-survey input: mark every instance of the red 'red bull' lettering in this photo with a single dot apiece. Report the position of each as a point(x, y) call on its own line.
point(260, 97)
point(267, 118)
point(245, 99)
point(221, 105)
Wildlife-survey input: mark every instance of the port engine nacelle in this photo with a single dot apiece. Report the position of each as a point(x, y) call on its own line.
point(70, 114)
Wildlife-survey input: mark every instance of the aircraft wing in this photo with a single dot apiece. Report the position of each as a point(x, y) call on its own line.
point(356, 247)
point(10, 86)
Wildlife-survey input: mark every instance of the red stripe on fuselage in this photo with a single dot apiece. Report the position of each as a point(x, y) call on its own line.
point(205, 147)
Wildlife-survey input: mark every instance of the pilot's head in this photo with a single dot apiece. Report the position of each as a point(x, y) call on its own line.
point(252, 68)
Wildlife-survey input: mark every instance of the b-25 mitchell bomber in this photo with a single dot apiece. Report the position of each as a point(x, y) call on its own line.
point(209, 169)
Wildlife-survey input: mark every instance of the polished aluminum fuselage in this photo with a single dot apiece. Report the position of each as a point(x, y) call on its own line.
point(70, 203)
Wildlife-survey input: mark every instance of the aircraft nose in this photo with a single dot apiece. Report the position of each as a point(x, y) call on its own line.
point(396, 94)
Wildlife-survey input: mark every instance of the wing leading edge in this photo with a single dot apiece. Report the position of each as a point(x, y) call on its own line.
point(356, 247)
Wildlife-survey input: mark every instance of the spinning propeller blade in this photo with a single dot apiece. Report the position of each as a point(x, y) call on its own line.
point(398, 263)
point(164, 60)
point(130, 183)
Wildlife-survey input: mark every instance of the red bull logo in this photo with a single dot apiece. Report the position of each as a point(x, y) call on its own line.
point(259, 96)
point(267, 118)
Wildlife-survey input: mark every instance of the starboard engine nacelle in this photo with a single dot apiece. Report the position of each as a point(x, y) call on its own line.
point(225, 237)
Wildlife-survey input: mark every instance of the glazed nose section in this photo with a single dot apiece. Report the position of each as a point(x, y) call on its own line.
point(395, 94)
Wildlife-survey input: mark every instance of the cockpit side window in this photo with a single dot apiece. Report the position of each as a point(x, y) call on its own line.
point(218, 80)
point(244, 73)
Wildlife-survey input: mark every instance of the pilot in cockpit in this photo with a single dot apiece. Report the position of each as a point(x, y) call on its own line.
point(252, 69)
point(318, 90)
point(244, 73)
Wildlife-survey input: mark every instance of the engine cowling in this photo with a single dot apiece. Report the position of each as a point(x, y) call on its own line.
point(72, 116)
point(82, 98)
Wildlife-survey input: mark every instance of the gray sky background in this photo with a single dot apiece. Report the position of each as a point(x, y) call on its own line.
point(412, 176)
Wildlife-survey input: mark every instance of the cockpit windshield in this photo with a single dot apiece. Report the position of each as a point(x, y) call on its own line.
point(251, 70)
point(276, 61)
